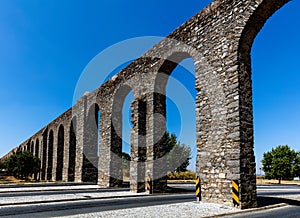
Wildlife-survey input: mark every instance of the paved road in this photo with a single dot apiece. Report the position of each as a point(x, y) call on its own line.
point(58, 192)
point(81, 207)
point(275, 190)
point(282, 212)
point(266, 196)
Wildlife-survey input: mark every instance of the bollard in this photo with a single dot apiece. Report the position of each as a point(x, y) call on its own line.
point(149, 185)
point(235, 193)
point(198, 189)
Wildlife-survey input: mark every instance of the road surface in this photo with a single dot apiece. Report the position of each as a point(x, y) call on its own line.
point(267, 195)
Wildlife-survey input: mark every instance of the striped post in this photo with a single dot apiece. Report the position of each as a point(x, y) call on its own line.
point(149, 185)
point(235, 193)
point(198, 189)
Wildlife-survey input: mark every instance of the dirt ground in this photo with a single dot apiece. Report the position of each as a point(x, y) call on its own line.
point(273, 181)
point(10, 180)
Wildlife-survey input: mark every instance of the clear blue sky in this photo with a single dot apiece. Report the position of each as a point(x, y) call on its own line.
point(45, 45)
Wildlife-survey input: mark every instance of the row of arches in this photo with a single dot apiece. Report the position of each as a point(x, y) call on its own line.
point(58, 147)
point(43, 148)
point(231, 153)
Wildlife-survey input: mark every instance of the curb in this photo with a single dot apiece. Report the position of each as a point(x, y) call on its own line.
point(81, 199)
point(249, 210)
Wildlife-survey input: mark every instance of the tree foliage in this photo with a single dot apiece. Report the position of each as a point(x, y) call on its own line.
point(22, 164)
point(187, 175)
point(2, 165)
point(281, 162)
point(178, 156)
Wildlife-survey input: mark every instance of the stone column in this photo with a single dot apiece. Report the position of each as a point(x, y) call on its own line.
point(79, 110)
point(248, 196)
point(156, 128)
point(138, 145)
point(225, 138)
point(66, 152)
point(116, 174)
point(104, 167)
point(44, 155)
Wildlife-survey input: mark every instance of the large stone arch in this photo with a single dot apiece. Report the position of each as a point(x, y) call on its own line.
point(254, 24)
point(225, 141)
point(111, 103)
point(156, 109)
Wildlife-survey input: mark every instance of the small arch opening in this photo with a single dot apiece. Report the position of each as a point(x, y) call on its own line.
point(72, 151)
point(50, 156)
point(44, 154)
point(60, 153)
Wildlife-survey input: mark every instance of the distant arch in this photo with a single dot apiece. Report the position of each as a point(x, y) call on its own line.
point(72, 150)
point(27, 147)
point(60, 153)
point(31, 147)
point(50, 155)
point(37, 148)
point(44, 154)
point(36, 154)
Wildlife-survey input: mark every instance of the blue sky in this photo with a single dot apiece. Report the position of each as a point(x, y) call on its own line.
point(45, 46)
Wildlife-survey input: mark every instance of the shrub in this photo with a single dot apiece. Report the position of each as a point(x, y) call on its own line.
point(187, 175)
point(22, 164)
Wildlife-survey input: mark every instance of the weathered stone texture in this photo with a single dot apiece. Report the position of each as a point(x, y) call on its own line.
point(219, 40)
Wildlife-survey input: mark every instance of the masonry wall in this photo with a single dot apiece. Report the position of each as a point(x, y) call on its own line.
point(219, 40)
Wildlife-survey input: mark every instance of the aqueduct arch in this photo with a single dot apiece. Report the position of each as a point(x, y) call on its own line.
point(72, 151)
point(219, 39)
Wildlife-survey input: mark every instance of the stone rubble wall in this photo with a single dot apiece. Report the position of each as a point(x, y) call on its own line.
point(219, 40)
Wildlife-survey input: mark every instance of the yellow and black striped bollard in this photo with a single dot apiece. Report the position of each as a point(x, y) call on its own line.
point(235, 193)
point(149, 185)
point(198, 189)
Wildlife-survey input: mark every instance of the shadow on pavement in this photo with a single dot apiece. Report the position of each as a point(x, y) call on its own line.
point(179, 190)
point(263, 201)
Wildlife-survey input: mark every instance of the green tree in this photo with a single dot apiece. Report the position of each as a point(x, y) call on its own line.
point(296, 166)
point(2, 165)
point(22, 164)
point(281, 162)
point(178, 155)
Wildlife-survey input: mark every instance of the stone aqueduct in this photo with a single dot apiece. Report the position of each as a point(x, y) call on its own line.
point(219, 40)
